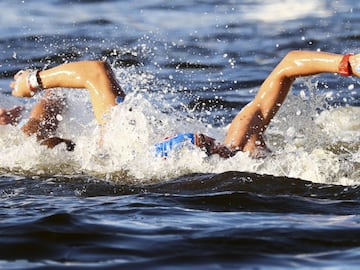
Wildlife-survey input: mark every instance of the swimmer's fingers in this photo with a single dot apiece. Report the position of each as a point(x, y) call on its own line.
point(18, 74)
point(20, 86)
point(355, 64)
point(13, 84)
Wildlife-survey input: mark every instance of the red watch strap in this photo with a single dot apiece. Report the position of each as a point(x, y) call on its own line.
point(344, 66)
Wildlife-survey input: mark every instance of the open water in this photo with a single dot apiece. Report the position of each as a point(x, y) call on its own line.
point(186, 66)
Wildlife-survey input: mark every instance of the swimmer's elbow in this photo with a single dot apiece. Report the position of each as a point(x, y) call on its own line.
point(96, 68)
point(95, 72)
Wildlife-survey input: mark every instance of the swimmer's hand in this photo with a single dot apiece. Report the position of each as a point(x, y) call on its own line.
point(355, 64)
point(10, 116)
point(20, 86)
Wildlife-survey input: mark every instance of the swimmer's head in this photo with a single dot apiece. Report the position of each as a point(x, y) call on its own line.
point(206, 143)
point(174, 143)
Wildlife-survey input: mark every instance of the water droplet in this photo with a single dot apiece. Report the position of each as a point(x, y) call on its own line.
point(59, 117)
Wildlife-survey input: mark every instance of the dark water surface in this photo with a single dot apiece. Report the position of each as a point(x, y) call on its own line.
point(92, 209)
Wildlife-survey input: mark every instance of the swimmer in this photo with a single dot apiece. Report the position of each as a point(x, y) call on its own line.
point(245, 133)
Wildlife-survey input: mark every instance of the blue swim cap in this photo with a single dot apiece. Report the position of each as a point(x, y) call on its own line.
point(173, 143)
point(119, 100)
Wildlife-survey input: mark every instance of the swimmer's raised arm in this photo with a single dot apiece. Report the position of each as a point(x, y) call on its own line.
point(96, 76)
point(246, 130)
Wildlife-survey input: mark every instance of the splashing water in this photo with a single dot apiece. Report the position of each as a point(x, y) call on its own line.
point(320, 146)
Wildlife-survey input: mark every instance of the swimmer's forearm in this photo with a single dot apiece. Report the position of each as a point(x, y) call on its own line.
point(95, 76)
point(71, 75)
point(305, 63)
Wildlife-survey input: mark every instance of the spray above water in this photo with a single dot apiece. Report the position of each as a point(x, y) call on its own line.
point(307, 143)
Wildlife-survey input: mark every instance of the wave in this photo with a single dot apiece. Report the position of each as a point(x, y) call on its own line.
point(230, 191)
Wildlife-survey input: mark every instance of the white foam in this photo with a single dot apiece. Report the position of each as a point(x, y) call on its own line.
point(342, 123)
